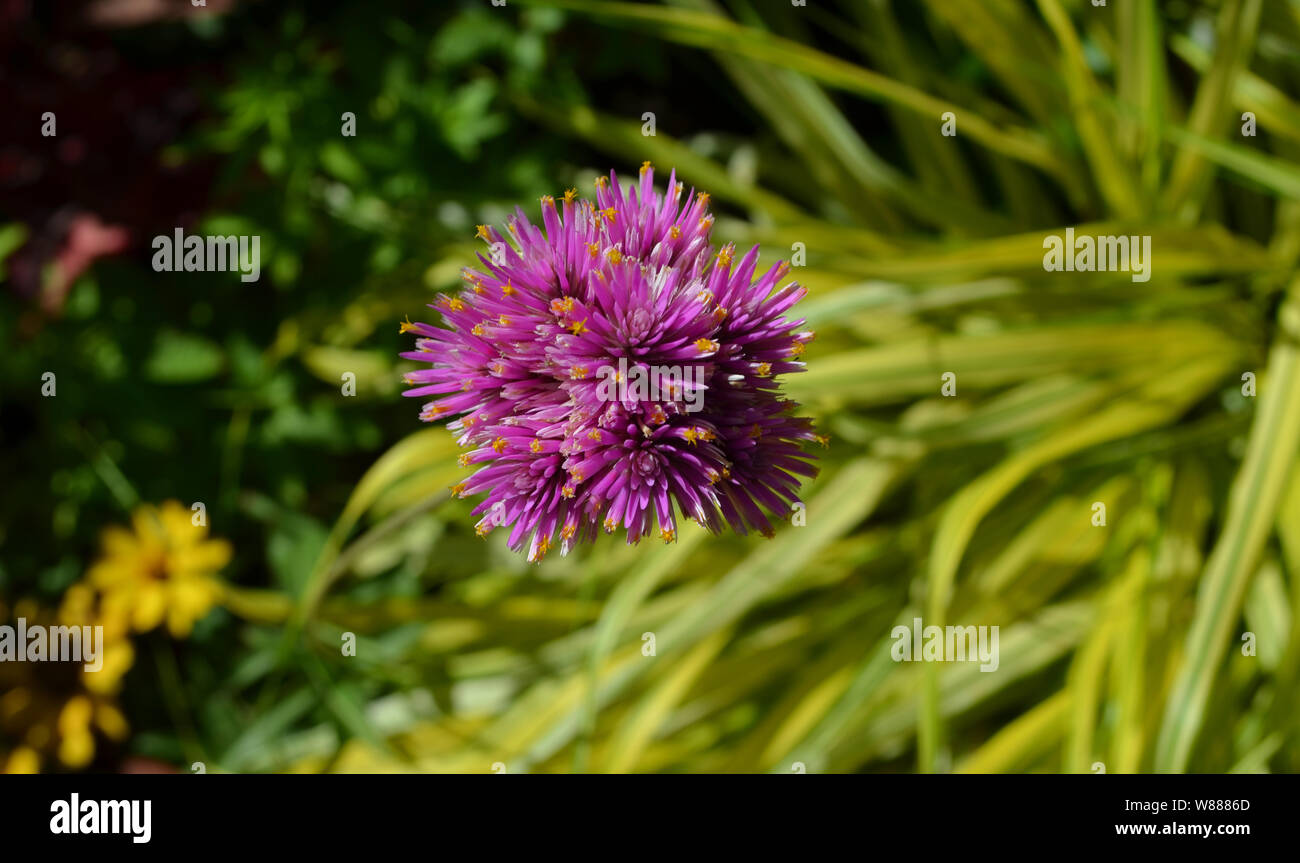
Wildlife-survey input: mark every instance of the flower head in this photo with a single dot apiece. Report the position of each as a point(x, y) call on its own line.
point(609, 368)
point(160, 570)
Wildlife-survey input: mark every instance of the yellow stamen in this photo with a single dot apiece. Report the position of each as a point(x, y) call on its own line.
point(706, 346)
point(570, 195)
point(536, 445)
point(667, 534)
point(499, 445)
point(482, 233)
point(646, 166)
point(578, 326)
point(674, 232)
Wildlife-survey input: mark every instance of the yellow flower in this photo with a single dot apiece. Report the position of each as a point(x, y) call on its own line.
point(82, 607)
point(46, 709)
point(160, 570)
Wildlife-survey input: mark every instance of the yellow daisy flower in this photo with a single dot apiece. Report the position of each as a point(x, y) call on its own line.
point(160, 570)
point(82, 607)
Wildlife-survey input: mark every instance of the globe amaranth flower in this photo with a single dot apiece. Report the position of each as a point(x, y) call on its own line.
point(533, 364)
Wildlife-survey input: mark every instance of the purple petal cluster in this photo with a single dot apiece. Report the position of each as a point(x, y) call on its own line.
point(521, 370)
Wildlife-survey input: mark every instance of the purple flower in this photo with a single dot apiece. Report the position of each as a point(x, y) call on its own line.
point(607, 368)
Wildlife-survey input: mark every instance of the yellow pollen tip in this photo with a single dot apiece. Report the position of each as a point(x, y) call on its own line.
point(674, 232)
point(764, 369)
point(593, 250)
point(668, 534)
point(478, 330)
point(504, 321)
point(577, 373)
point(705, 346)
point(570, 195)
point(646, 166)
point(536, 445)
point(458, 489)
point(578, 326)
point(499, 445)
point(482, 233)
point(508, 289)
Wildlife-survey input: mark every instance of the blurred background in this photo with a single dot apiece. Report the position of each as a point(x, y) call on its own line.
point(334, 610)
